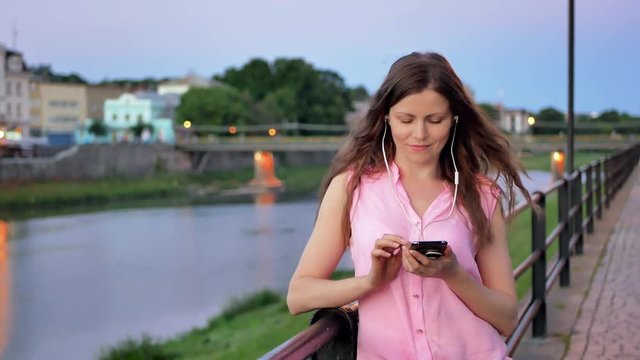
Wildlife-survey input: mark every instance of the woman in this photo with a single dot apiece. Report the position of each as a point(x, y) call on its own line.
point(423, 166)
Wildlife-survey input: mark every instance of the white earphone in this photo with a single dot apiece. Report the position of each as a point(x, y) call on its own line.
point(456, 177)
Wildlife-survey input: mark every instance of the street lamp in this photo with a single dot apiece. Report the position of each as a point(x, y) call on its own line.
point(186, 124)
point(272, 132)
point(531, 120)
point(233, 130)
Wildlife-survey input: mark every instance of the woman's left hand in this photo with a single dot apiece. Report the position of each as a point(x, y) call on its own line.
point(418, 264)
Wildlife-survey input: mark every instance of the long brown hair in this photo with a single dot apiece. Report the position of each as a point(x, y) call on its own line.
point(480, 148)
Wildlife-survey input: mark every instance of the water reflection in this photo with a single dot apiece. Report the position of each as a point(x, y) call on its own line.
point(4, 286)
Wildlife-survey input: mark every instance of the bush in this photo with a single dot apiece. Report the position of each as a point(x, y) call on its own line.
point(130, 349)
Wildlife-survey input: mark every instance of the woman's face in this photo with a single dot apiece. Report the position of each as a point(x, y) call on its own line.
point(420, 125)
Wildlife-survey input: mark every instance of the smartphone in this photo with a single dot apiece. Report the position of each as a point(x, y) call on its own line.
point(431, 249)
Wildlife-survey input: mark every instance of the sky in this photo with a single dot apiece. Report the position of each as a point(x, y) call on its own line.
point(512, 52)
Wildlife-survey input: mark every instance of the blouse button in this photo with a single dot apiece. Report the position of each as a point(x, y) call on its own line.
point(416, 296)
point(419, 331)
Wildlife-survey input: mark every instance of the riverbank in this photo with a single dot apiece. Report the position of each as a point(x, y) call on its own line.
point(20, 201)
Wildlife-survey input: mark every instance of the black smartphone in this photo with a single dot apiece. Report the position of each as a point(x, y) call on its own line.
point(431, 249)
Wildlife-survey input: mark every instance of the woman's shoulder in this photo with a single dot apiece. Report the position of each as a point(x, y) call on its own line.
point(487, 185)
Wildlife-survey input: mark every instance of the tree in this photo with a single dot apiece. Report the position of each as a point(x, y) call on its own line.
point(139, 127)
point(549, 121)
point(47, 74)
point(609, 116)
point(280, 105)
point(98, 128)
point(359, 93)
point(255, 77)
point(490, 110)
point(292, 89)
point(215, 106)
point(549, 114)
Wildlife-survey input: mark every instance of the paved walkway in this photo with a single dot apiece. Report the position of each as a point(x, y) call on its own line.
point(598, 315)
point(608, 326)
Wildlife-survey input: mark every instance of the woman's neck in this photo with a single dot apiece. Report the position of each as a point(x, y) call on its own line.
point(418, 171)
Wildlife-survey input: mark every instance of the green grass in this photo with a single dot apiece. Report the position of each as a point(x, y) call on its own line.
point(247, 329)
point(519, 236)
point(41, 199)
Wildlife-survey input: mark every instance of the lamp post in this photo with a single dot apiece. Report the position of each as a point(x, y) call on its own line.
point(570, 134)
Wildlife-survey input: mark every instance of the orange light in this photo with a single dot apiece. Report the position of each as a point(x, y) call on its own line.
point(558, 156)
point(257, 156)
point(272, 132)
point(233, 130)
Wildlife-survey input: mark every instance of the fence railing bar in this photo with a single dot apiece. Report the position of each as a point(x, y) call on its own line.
point(526, 264)
point(553, 275)
point(523, 325)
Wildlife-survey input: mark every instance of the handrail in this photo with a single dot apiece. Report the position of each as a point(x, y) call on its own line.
point(569, 231)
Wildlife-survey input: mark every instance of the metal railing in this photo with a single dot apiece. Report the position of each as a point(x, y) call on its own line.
point(333, 332)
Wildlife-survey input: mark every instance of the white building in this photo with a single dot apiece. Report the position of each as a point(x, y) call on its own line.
point(14, 91)
point(514, 121)
point(182, 85)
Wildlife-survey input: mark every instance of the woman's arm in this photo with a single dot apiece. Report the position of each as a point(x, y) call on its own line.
point(310, 287)
point(495, 301)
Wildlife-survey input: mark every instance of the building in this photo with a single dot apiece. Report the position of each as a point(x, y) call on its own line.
point(122, 114)
point(96, 97)
point(14, 91)
point(57, 110)
point(182, 85)
point(514, 121)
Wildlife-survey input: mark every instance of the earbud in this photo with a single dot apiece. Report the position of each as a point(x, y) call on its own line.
point(455, 118)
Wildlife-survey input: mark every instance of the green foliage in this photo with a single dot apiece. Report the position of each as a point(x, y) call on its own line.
point(145, 349)
point(550, 114)
point(239, 306)
point(147, 83)
point(98, 128)
point(293, 90)
point(47, 74)
point(139, 127)
point(359, 93)
point(490, 110)
point(215, 106)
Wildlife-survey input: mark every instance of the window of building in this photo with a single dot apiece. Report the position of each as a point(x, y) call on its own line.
point(140, 117)
point(9, 109)
point(18, 89)
point(115, 117)
point(8, 88)
point(126, 117)
point(19, 111)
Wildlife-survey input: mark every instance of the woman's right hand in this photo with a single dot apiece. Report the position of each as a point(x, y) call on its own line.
point(386, 259)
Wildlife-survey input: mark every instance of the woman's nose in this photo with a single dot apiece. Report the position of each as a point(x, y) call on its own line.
point(421, 131)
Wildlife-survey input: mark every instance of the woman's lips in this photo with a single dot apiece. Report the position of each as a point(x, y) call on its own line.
point(418, 147)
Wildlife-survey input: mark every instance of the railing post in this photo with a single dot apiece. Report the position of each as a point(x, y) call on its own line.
point(607, 181)
point(563, 217)
point(590, 217)
point(599, 167)
point(577, 190)
point(538, 271)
